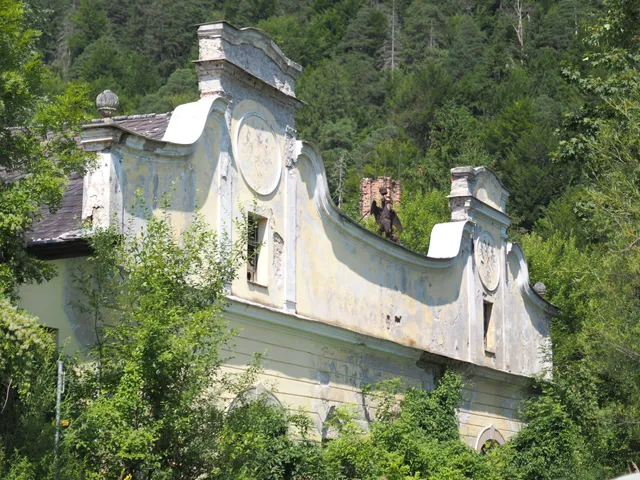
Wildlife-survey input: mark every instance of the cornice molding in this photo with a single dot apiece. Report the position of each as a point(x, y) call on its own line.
point(476, 208)
point(250, 36)
point(207, 69)
point(285, 321)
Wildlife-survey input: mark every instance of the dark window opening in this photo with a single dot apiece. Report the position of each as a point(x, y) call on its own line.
point(488, 446)
point(257, 265)
point(253, 247)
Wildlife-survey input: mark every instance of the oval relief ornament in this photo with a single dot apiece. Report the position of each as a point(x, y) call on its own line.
point(487, 261)
point(258, 154)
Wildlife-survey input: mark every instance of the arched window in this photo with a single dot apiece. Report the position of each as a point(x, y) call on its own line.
point(488, 438)
point(253, 393)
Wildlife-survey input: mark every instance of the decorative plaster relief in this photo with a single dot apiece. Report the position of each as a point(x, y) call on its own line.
point(258, 153)
point(487, 260)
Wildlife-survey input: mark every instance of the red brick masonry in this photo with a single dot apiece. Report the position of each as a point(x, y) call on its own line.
point(370, 190)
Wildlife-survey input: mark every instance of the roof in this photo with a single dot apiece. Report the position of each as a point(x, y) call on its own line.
point(63, 227)
point(151, 125)
point(65, 223)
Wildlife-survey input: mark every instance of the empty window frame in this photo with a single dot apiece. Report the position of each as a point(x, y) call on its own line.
point(257, 264)
point(489, 327)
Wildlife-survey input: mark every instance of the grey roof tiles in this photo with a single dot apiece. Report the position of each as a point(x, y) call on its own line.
point(152, 125)
point(64, 224)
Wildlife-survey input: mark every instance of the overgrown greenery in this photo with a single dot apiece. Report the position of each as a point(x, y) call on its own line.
point(37, 158)
point(552, 107)
point(27, 382)
point(149, 404)
point(394, 87)
point(152, 402)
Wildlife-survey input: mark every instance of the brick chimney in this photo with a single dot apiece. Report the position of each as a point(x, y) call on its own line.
point(370, 191)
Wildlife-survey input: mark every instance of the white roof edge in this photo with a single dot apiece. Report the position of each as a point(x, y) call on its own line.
point(446, 239)
point(188, 120)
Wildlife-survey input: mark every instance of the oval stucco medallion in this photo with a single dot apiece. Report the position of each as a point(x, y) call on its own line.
point(258, 154)
point(487, 261)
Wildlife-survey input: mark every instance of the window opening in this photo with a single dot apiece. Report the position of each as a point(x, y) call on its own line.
point(489, 328)
point(256, 254)
point(488, 446)
point(253, 248)
point(487, 439)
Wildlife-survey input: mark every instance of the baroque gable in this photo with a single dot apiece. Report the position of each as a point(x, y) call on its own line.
point(320, 276)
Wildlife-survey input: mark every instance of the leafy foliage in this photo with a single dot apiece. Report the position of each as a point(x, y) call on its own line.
point(27, 382)
point(419, 213)
point(416, 437)
point(36, 159)
point(464, 59)
point(549, 99)
point(150, 399)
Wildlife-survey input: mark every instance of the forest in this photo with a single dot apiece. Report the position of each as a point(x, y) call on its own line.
point(544, 92)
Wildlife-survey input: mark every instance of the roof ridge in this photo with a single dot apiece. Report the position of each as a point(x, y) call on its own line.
point(137, 116)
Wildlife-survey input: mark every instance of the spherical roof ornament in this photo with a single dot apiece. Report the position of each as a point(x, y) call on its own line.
point(540, 288)
point(107, 103)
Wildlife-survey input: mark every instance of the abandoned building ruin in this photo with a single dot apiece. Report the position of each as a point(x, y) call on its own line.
point(370, 191)
point(335, 306)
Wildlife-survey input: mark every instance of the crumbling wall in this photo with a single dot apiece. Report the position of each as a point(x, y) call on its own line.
point(370, 191)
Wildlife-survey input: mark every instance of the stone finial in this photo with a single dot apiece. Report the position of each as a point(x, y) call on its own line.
point(540, 288)
point(107, 103)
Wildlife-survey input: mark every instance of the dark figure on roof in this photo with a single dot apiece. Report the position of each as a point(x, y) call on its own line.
point(385, 217)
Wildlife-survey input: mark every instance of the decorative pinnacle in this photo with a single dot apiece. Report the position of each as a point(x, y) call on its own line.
point(540, 288)
point(107, 103)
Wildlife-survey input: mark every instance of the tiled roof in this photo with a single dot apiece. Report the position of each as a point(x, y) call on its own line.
point(152, 125)
point(65, 223)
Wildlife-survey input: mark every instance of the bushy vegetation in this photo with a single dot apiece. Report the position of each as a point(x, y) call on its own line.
point(394, 87)
point(151, 401)
point(545, 92)
point(42, 153)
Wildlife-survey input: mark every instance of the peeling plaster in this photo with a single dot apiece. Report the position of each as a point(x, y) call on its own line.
point(336, 274)
point(278, 259)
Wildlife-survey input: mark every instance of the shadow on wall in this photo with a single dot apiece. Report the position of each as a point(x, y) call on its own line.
point(188, 181)
point(428, 288)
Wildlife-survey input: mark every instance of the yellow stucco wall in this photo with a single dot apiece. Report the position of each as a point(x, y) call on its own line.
point(304, 370)
point(53, 303)
point(312, 373)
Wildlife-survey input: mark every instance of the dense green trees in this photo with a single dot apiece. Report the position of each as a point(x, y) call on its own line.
point(501, 61)
point(149, 404)
point(545, 92)
point(37, 158)
point(28, 381)
point(586, 246)
point(35, 163)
